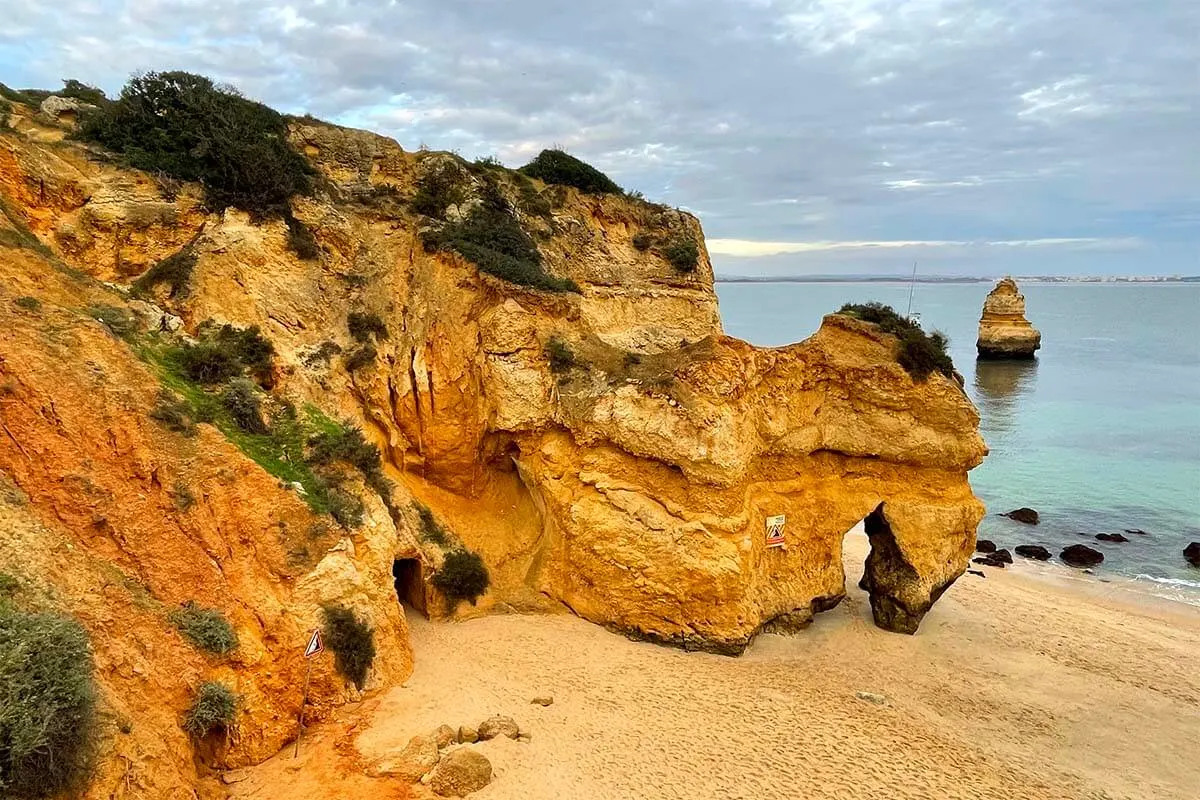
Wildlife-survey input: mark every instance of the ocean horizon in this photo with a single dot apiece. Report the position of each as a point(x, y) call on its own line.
point(1100, 434)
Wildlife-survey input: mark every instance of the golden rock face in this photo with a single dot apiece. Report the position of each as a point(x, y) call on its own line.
point(632, 485)
point(1003, 330)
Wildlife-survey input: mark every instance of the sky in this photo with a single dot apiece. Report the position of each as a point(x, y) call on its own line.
point(974, 137)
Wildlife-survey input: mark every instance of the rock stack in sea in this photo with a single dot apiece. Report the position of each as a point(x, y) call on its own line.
point(1003, 330)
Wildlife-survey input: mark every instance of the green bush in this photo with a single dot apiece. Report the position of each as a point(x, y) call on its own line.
point(244, 407)
point(14, 96)
point(555, 166)
point(224, 352)
point(344, 443)
point(9, 585)
point(206, 628)
point(175, 270)
point(175, 413)
point(208, 363)
point(362, 326)
point(558, 352)
point(212, 710)
point(463, 576)
point(440, 187)
point(346, 509)
point(186, 127)
point(48, 721)
point(683, 254)
point(251, 348)
point(431, 530)
point(83, 93)
point(28, 303)
point(352, 642)
point(920, 354)
point(642, 241)
point(491, 238)
point(361, 358)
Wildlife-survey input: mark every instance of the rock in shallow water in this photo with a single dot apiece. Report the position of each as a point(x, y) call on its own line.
point(1034, 551)
point(985, 546)
point(1080, 555)
point(1026, 515)
point(1192, 554)
point(1003, 330)
point(1111, 537)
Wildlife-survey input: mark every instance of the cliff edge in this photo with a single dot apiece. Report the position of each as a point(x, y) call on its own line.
point(590, 435)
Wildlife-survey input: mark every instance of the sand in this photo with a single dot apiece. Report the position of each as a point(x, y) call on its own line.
point(1020, 685)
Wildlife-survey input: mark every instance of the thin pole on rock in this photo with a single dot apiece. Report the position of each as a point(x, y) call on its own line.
point(303, 703)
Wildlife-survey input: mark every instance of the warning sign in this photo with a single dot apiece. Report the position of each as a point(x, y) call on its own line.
point(315, 645)
point(775, 530)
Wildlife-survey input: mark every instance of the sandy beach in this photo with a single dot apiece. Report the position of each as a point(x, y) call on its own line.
point(1022, 684)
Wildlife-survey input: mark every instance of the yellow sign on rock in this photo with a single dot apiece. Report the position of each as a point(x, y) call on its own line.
point(775, 530)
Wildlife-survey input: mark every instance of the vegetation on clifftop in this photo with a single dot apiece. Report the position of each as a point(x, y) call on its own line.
point(556, 166)
point(919, 353)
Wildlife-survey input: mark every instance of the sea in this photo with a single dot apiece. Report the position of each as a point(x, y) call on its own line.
point(1100, 434)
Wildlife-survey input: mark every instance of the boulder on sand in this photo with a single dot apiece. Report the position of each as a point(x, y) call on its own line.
point(989, 560)
point(985, 546)
point(1192, 554)
point(498, 726)
point(1026, 515)
point(418, 757)
point(1003, 555)
point(461, 772)
point(1080, 555)
point(1034, 551)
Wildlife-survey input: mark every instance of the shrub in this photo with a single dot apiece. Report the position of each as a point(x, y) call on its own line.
point(491, 238)
point(362, 326)
point(361, 358)
point(244, 407)
point(175, 413)
point(300, 239)
point(206, 628)
point(642, 241)
point(14, 96)
point(683, 254)
point(532, 201)
point(431, 529)
point(48, 721)
point(175, 270)
point(346, 509)
point(344, 443)
point(208, 362)
point(920, 354)
point(322, 354)
point(184, 126)
point(352, 642)
point(83, 93)
point(28, 303)
point(251, 348)
point(463, 576)
point(212, 710)
point(8, 585)
point(558, 352)
point(440, 187)
point(555, 166)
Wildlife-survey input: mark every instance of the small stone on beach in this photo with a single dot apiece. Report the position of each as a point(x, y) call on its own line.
point(976, 572)
point(871, 697)
point(542, 700)
point(498, 726)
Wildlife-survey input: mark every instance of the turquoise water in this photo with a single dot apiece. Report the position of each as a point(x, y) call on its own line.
point(1100, 434)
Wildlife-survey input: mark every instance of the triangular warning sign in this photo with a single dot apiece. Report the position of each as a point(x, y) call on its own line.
point(315, 645)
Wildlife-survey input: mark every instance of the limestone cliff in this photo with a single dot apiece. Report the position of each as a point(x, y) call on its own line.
point(1003, 330)
point(607, 451)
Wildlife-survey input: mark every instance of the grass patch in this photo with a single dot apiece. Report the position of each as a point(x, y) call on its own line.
point(48, 722)
point(919, 353)
point(683, 254)
point(175, 413)
point(206, 628)
point(352, 642)
point(363, 326)
point(463, 576)
point(213, 710)
point(556, 166)
point(184, 126)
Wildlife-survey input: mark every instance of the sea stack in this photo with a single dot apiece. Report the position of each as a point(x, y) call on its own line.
point(1003, 330)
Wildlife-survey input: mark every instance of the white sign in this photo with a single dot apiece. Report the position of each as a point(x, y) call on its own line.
point(775, 530)
point(315, 645)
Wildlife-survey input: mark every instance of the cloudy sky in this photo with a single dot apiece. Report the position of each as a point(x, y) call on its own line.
point(810, 136)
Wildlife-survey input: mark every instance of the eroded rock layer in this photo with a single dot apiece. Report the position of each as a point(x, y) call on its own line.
point(608, 451)
point(1003, 330)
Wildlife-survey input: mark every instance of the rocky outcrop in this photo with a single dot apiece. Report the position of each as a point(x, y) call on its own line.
point(1191, 554)
point(1003, 330)
point(634, 480)
point(1080, 555)
point(1034, 551)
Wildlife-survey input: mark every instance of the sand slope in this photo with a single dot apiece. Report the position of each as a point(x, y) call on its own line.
point(1015, 687)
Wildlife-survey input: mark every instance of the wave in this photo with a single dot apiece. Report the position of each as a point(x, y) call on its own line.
point(1169, 581)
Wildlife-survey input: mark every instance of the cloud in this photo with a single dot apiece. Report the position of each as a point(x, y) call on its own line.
point(841, 122)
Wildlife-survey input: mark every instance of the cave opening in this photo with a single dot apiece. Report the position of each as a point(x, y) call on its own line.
point(409, 578)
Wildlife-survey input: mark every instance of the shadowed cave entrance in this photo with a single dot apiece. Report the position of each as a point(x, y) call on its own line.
point(409, 579)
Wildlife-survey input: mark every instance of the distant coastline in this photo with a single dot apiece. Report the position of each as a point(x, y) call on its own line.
point(957, 279)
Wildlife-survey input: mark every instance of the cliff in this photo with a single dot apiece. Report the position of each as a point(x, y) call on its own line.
point(607, 450)
point(1003, 330)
